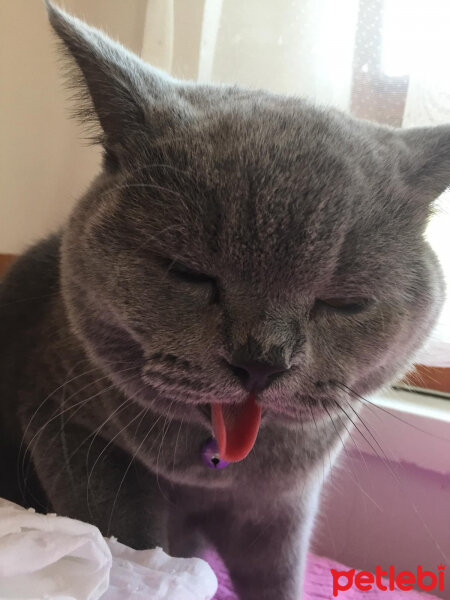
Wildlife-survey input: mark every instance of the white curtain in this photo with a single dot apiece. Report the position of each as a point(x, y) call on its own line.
point(427, 50)
point(302, 47)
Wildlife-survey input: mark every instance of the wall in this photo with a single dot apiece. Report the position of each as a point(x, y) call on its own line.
point(44, 163)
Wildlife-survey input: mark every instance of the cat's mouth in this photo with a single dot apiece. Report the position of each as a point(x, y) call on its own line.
point(236, 428)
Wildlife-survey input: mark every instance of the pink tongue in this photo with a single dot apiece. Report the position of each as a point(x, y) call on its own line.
point(235, 428)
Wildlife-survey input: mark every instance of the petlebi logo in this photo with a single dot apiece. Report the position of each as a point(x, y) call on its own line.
point(388, 580)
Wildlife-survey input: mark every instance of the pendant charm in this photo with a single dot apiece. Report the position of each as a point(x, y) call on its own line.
point(211, 457)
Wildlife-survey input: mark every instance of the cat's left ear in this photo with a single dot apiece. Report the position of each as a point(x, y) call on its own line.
point(425, 161)
point(130, 100)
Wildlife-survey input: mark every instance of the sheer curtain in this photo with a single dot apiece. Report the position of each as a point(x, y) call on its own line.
point(302, 47)
point(383, 60)
point(426, 54)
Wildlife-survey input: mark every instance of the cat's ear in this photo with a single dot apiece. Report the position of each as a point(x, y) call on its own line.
point(117, 89)
point(425, 162)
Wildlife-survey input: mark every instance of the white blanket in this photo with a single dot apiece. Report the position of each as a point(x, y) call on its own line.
point(56, 558)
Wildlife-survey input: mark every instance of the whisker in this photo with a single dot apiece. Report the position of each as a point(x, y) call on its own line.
point(168, 421)
point(36, 436)
point(29, 299)
point(94, 433)
point(142, 414)
point(154, 166)
point(361, 433)
point(349, 458)
point(138, 185)
point(127, 470)
point(381, 408)
point(79, 407)
point(328, 447)
point(318, 438)
point(176, 445)
point(47, 398)
point(387, 463)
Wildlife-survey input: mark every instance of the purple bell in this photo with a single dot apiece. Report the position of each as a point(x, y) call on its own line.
point(211, 457)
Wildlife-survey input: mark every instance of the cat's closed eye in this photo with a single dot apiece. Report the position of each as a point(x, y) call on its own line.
point(347, 306)
point(185, 274)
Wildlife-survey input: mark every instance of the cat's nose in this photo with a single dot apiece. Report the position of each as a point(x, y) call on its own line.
point(256, 375)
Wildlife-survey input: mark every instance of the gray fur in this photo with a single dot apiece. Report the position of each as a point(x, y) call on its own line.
point(110, 362)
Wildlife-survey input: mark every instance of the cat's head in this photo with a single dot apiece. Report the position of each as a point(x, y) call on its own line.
point(241, 241)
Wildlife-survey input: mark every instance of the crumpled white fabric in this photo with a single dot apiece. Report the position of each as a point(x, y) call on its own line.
point(145, 574)
point(57, 558)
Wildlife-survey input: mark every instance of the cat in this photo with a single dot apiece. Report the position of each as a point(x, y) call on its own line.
point(246, 267)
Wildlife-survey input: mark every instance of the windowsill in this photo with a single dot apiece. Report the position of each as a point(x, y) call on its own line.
point(418, 401)
point(405, 427)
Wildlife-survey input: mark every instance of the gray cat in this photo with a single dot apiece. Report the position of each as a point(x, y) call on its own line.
point(245, 265)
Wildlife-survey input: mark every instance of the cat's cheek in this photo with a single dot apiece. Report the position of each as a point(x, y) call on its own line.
point(341, 345)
